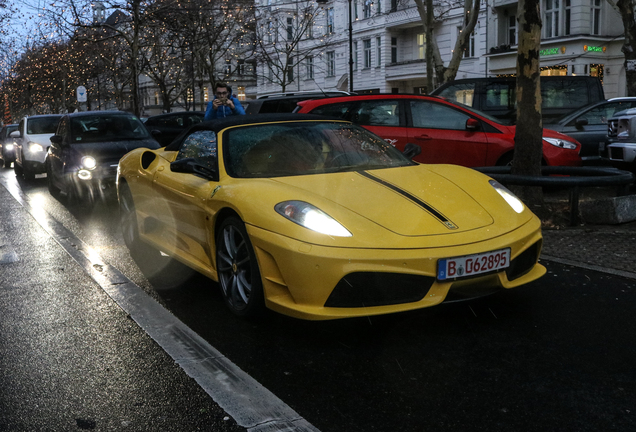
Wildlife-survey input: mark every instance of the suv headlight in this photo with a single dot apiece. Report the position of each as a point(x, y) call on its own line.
point(558, 142)
point(89, 162)
point(8, 147)
point(35, 147)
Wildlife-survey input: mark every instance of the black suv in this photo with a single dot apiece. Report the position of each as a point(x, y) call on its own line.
point(86, 149)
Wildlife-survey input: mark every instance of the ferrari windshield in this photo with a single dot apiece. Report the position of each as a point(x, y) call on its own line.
point(300, 148)
point(106, 127)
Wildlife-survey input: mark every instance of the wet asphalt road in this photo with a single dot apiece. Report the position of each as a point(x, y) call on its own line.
point(558, 354)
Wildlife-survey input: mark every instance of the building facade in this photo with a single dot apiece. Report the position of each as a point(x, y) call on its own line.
point(580, 37)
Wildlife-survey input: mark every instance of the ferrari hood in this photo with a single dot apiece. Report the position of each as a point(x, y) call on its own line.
point(408, 202)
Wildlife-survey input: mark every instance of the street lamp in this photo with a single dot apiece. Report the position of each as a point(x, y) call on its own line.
point(322, 2)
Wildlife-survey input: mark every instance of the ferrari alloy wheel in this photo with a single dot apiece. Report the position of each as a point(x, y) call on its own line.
point(237, 268)
point(128, 218)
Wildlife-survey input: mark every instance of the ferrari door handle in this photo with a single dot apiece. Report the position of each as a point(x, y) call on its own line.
point(423, 137)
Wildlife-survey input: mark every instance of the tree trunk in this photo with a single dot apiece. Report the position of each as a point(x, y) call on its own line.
point(528, 137)
point(626, 9)
point(430, 66)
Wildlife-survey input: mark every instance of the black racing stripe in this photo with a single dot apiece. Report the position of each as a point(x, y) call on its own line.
point(405, 194)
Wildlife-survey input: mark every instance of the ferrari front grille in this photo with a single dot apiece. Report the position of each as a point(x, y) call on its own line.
point(523, 263)
point(366, 289)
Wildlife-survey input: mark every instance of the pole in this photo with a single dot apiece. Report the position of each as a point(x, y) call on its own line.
point(350, 50)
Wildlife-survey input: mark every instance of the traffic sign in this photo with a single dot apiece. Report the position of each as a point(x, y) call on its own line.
point(81, 94)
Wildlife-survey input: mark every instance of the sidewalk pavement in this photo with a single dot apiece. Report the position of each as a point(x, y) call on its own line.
point(609, 248)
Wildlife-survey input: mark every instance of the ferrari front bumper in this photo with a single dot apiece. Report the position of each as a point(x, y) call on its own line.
point(300, 279)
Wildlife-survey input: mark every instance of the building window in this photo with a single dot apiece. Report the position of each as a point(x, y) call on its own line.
point(394, 50)
point(290, 28)
point(394, 5)
point(270, 32)
point(367, 52)
point(241, 93)
point(378, 51)
point(355, 55)
point(228, 67)
point(330, 20)
point(156, 98)
point(310, 67)
point(206, 98)
point(240, 67)
point(309, 19)
point(595, 24)
point(355, 9)
point(366, 8)
point(470, 49)
point(512, 30)
point(556, 18)
point(421, 46)
point(290, 71)
point(331, 63)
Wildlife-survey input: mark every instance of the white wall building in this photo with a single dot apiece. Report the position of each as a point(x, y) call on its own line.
point(580, 37)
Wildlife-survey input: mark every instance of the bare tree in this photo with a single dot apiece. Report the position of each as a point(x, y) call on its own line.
point(165, 60)
point(285, 39)
point(431, 14)
point(126, 21)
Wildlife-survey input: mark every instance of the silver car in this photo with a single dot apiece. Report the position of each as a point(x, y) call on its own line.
point(33, 141)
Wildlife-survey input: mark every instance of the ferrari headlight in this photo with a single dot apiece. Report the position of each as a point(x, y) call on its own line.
point(35, 147)
point(308, 216)
point(558, 142)
point(89, 162)
point(510, 198)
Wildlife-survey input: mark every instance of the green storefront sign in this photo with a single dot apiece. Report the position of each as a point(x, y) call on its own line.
point(549, 51)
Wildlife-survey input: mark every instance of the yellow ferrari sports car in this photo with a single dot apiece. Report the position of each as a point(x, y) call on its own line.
point(320, 219)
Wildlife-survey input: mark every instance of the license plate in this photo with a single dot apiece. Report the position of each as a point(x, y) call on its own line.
point(470, 265)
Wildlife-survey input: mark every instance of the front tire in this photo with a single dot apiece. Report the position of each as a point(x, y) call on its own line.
point(128, 219)
point(237, 268)
point(17, 169)
point(53, 189)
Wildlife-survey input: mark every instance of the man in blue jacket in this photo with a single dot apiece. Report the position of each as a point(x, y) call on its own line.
point(224, 103)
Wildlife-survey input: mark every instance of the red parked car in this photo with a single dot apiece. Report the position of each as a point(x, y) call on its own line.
point(447, 132)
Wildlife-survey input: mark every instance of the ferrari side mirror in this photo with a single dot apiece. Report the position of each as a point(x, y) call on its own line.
point(191, 166)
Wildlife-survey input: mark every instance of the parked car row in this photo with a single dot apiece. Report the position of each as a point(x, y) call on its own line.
point(79, 152)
